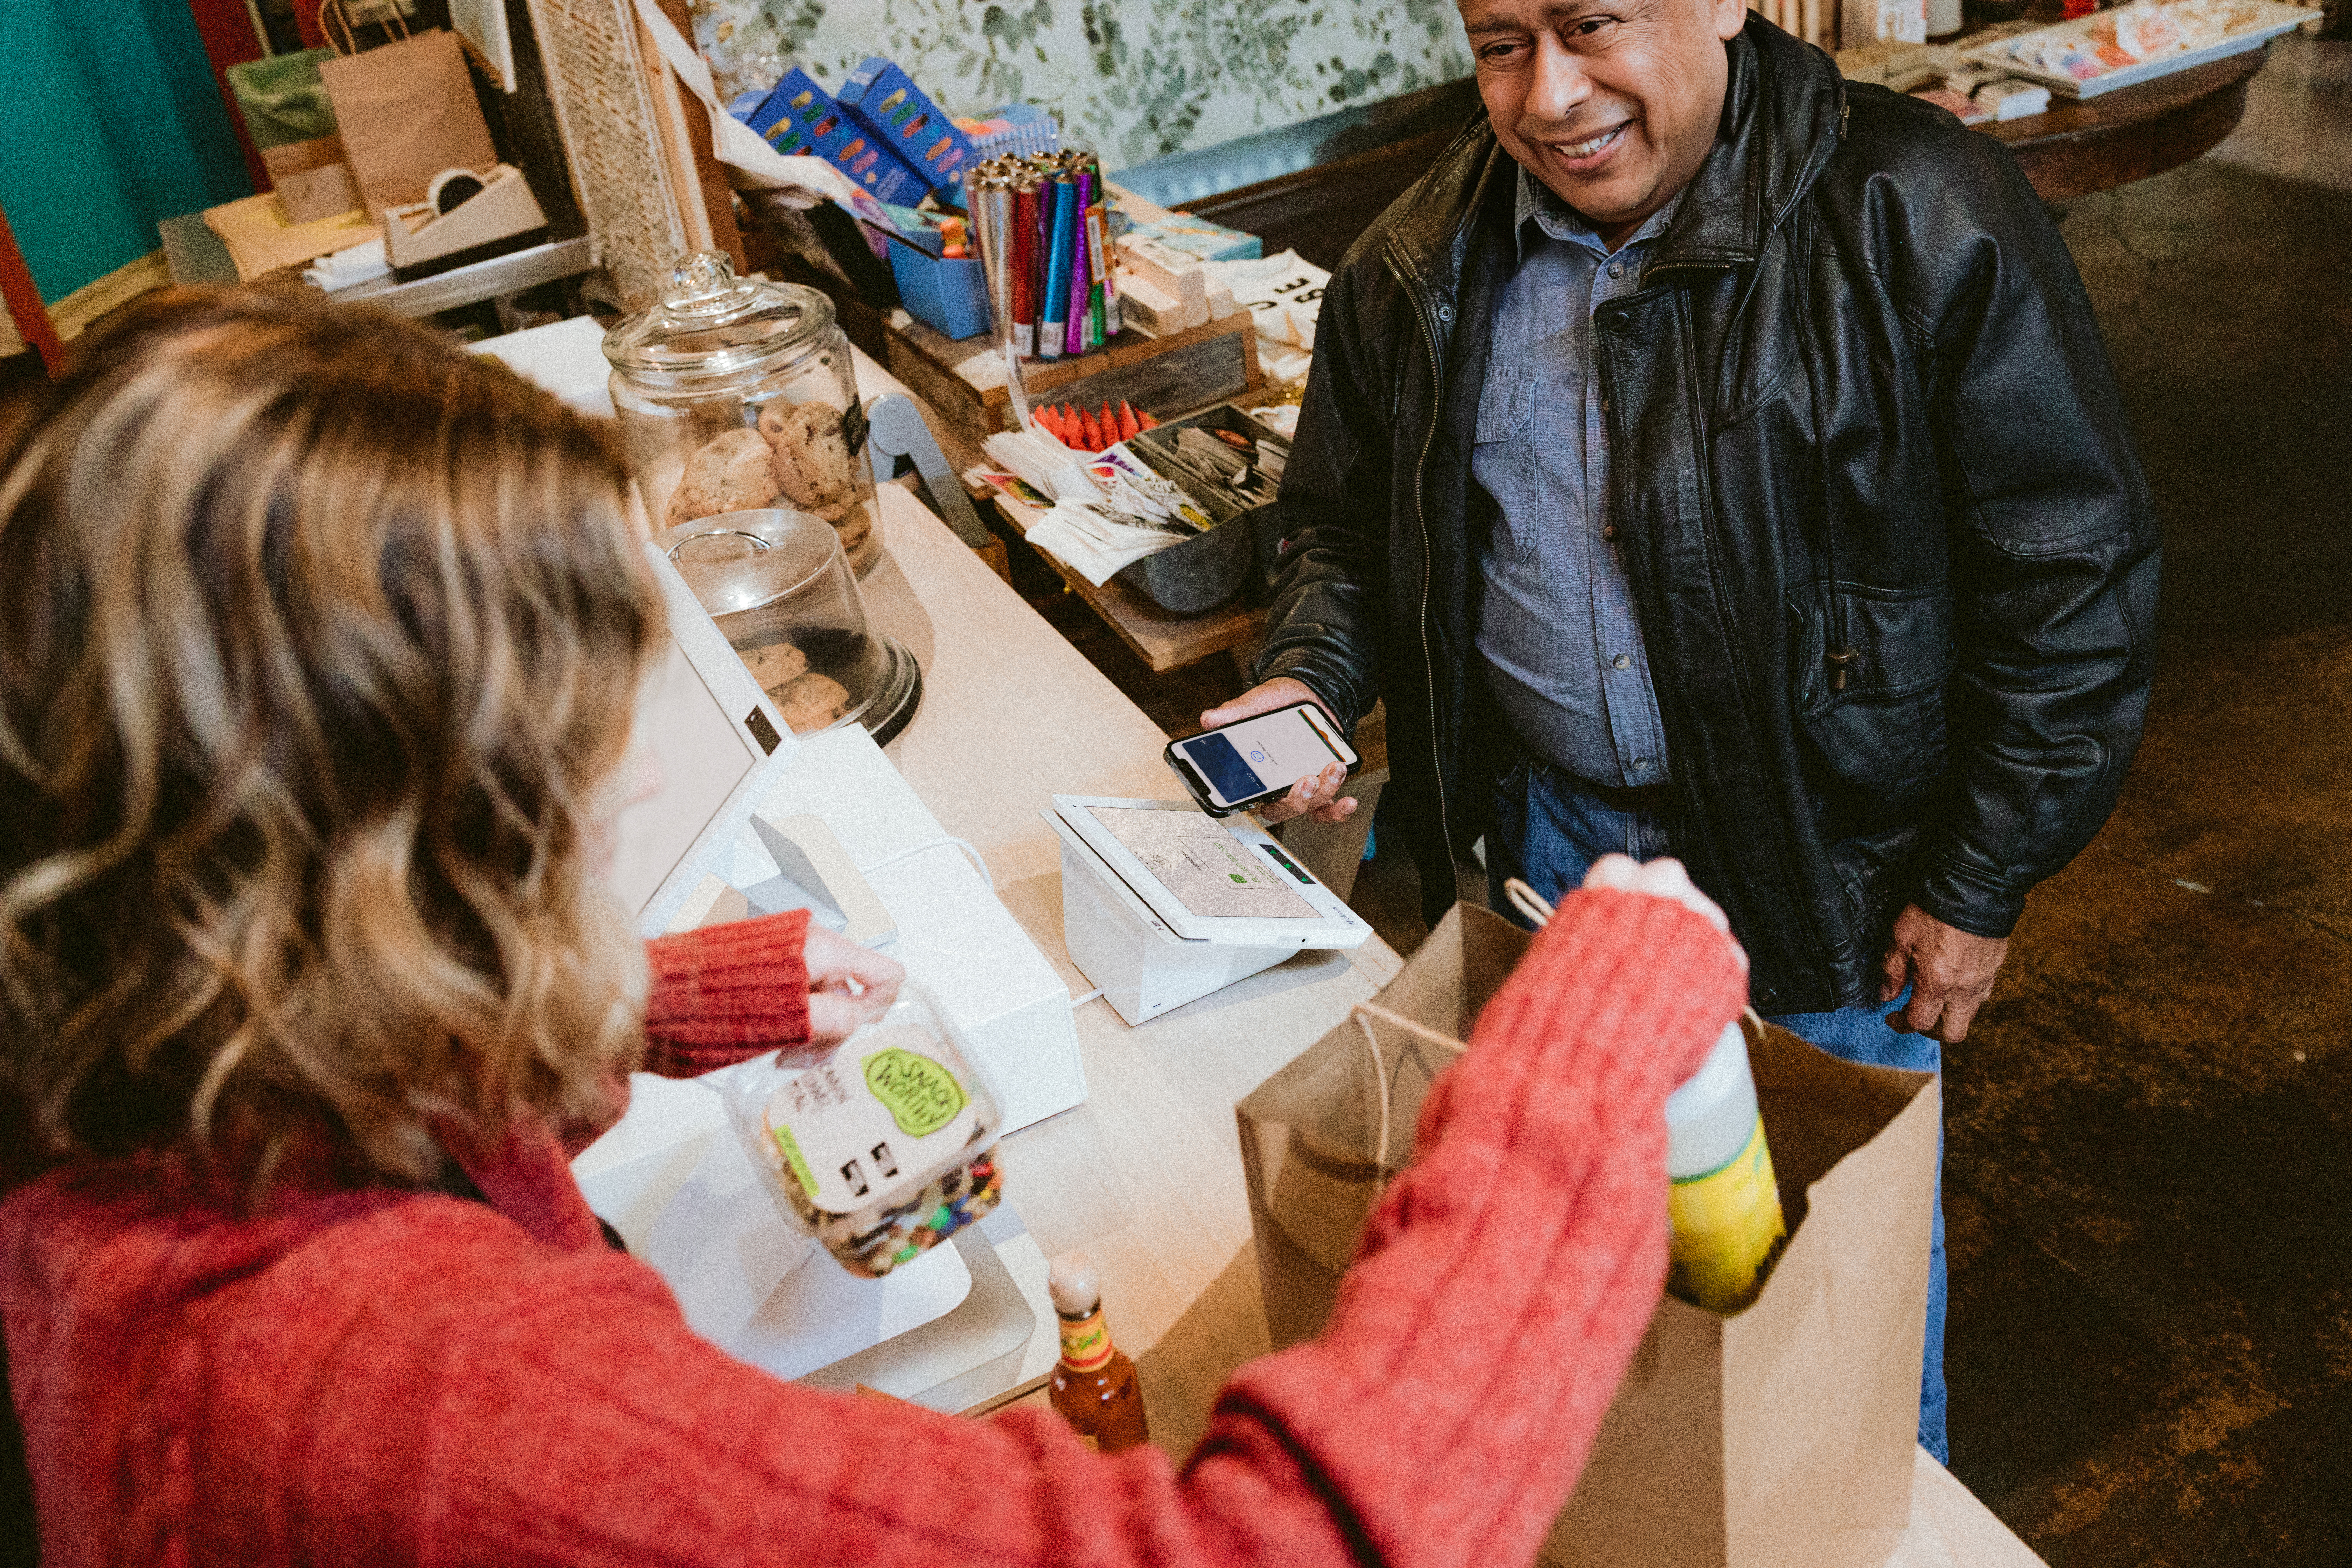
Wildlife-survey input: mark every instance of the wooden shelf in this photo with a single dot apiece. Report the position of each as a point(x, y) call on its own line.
point(1163, 640)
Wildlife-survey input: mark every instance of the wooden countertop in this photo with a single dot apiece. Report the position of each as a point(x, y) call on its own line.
point(1146, 1176)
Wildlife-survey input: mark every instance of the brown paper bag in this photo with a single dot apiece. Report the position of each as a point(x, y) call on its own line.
point(405, 113)
point(1308, 1131)
point(1781, 1437)
point(312, 179)
point(255, 232)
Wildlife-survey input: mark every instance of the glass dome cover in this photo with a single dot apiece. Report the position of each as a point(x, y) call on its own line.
point(777, 586)
point(713, 324)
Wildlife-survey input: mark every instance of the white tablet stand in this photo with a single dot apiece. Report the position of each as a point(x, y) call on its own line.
point(1145, 964)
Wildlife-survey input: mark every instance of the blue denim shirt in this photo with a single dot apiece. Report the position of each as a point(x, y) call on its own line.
point(1555, 634)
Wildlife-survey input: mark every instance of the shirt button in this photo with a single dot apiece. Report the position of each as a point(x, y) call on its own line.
point(1616, 270)
point(1640, 764)
point(1608, 531)
point(1621, 662)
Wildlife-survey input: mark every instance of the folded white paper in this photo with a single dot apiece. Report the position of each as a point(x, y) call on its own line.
point(1094, 545)
point(344, 268)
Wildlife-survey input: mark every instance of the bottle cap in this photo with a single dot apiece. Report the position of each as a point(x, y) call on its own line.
point(1074, 1283)
point(1710, 1118)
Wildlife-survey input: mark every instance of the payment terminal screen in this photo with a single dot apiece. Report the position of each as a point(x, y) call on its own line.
point(1271, 752)
point(1212, 873)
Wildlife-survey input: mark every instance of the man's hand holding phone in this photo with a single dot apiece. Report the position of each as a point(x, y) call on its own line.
point(1318, 793)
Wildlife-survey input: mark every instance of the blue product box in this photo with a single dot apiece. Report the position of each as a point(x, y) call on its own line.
point(800, 120)
point(887, 102)
point(949, 297)
point(1013, 131)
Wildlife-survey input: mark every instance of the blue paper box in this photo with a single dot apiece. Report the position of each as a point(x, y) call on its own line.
point(885, 101)
point(800, 120)
point(949, 297)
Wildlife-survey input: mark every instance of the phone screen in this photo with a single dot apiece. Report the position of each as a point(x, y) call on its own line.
point(1269, 752)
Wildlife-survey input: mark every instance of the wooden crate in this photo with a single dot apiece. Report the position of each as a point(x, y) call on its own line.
point(963, 379)
point(1164, 640)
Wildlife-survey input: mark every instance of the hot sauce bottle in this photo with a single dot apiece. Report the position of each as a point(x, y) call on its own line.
point(1093, 1386)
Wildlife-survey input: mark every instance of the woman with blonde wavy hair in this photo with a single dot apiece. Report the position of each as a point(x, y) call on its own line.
point(319, 647)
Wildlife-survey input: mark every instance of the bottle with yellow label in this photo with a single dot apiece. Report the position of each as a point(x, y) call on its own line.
point(1092, 1387)
point(1723, 1213)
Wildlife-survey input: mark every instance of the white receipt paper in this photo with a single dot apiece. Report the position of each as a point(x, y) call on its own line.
point(1212, 873)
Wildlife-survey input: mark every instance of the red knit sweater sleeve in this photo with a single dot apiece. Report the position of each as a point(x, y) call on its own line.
point(726, 991)
point(1504, 1282)
point(1441, 1419)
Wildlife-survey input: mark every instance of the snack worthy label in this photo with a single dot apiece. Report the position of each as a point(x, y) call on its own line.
point(920, 1094)
point(1722, 1226)
point(872, 1123)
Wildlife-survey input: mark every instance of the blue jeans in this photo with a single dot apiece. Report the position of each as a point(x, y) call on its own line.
point(1548, 829)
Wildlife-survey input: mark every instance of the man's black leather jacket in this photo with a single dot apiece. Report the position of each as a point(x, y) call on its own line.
point(1861, 425)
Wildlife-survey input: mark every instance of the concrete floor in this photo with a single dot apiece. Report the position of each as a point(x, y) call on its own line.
point(2150, 1165)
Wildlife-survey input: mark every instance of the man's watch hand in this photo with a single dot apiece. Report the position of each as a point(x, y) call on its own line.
point(1317, 794)
point(1949, 971)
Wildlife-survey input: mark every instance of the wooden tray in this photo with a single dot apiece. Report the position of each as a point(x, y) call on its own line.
point(963, 379)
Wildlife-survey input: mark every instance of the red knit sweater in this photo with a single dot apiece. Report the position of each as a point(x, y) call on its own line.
point(380, 1377)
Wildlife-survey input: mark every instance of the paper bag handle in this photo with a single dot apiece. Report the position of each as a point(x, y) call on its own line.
point(1529, 902)
point(395, 23)
point(1363, 1013)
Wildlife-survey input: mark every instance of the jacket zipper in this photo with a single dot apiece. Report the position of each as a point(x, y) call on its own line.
point(1420, 519)
point(1747, 708)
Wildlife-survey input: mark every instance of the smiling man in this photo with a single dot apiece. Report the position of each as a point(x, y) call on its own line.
point(1710, 457)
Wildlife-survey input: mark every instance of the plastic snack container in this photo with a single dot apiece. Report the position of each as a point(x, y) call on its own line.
point(881, 1148)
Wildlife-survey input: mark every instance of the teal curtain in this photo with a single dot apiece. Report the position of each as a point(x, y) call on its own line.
point(113, 122)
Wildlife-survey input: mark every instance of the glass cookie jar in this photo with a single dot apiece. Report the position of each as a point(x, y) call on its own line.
point(735, 394)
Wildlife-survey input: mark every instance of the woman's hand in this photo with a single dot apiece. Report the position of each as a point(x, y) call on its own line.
point(849, 987)
point(1663, 878)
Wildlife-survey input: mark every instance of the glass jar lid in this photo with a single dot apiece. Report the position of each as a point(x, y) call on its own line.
point(741, 561)
point(713, 324)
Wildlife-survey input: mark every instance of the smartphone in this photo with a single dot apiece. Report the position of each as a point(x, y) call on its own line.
point(1258, 759)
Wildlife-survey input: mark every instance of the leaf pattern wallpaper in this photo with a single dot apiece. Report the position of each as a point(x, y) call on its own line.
point(1136, 80)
